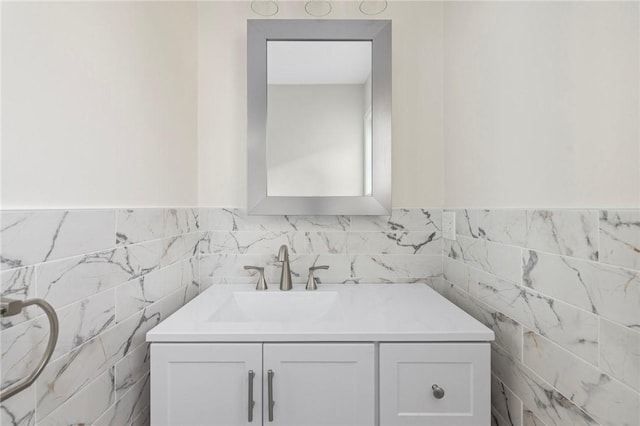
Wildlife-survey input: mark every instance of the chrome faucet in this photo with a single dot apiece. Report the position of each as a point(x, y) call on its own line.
point(285, 279)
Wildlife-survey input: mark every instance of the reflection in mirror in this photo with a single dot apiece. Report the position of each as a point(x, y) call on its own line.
point(319, 118)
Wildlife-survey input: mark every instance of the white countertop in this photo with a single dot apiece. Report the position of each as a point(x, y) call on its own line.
point(359, 313)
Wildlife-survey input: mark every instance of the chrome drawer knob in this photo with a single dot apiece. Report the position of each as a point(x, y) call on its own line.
point(438, 392)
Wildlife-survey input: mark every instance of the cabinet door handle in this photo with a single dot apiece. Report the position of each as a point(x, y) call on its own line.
point(270, 375)
point(252, 403)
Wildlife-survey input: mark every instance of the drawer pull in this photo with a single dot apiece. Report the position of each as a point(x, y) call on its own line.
point(438, 392)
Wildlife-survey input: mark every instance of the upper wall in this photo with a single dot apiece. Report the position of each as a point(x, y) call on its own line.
point(541, 104)
point(99, 104)
point(417, 99)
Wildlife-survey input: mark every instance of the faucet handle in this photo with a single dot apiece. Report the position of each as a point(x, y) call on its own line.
point(262, 283)
point(313, 268)
point(312, 284)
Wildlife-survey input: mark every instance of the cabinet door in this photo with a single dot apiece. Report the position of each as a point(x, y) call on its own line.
point(319, 384)
point(435, 384)
point(205, 384)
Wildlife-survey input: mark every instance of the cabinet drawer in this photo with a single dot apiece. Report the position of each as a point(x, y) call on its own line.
point(413, 376)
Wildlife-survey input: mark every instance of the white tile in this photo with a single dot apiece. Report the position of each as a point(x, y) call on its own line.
point(19, 284)
point(229, 265)
point(416, 220)
point(416, 242)
point(547, 403)
point(128, 407)
point(234, 219)
point(611, 292)
point(371, 242)
point(249, 242)
point(497, 419)
point(180, 221)
point(317, 242)
point(407, 242)
point(131, 368)
point(503, 226)
point(572, 328)
point(139, 225)
point(508, 332)
point(64, 377)
point(19, 410)
point(620, 238)
point(370, 223)
point(319, 223)
point(458, 274)
point(395, 267)
point(105, 418)
point(85, 406)
point(605, 399)
point(505, 402)
point(82, 321)
point(620, 352)
point(495, 258)
point(22, 347)
point(174, 249)
point(69, 280)
point(30, 237)
point(143, 419)
point(135, 295)
point(180, 274)
point(530, 419)
point(467, 222)
point(140, 259)
point(205, 240)
point(567, 232)
point(338, 268)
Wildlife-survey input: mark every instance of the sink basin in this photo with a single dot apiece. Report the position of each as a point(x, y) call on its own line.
point(272, 306)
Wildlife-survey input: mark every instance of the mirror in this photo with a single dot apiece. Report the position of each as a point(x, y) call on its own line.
point(319, 110)
point(318, 114)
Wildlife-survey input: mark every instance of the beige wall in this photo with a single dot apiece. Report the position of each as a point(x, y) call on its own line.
point(541, 104)
point(417, 99)
point(99, 104)
point(144, 103)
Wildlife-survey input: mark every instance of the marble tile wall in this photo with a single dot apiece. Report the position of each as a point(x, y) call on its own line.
point(403, 247)
point(111, 275)
point(561, 290)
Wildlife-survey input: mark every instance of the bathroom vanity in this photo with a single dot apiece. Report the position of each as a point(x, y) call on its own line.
point(350, 354)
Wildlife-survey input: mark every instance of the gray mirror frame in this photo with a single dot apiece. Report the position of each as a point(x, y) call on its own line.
point(259, 31)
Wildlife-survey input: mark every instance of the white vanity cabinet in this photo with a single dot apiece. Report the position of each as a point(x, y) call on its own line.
point(309, 384)
point(435, 384)
point(343, 355)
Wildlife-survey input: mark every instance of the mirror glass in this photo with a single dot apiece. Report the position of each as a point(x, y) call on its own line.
point(319, 118)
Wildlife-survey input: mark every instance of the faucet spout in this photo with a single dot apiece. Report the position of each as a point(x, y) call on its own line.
point(283, 254)
point(285, 278)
